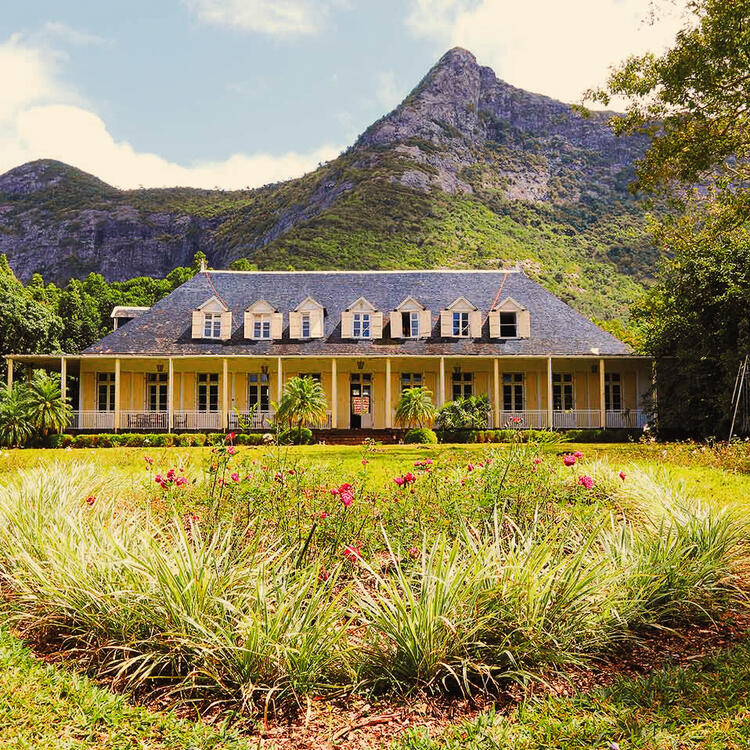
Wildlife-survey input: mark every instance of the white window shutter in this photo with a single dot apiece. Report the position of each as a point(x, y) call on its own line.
point(277, 325)
point(249, 320)
point(316, 324)
point(376, 325)
point(446, 323)
point(226, 326)
point(475, 324)
point(295, 325)
point(425, 324)
point(524, 324)
point(494, 325)
point(396, 325)
point(347, 324)
point(198, 320)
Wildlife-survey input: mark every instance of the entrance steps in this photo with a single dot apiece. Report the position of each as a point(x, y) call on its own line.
point(357, 437)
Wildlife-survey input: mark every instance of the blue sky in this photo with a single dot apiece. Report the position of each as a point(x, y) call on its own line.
point(236, 93)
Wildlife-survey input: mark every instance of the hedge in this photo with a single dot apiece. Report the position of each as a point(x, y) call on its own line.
point(152, 440)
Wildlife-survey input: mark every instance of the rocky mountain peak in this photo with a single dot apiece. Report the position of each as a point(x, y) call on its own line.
point(43, 174)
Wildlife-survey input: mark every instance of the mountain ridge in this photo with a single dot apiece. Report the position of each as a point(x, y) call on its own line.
point(468, 171)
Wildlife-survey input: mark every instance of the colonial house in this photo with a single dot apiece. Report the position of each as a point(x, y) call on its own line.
point(221, 346)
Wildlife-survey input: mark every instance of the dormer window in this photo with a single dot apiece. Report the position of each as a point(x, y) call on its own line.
point(460, 323)
point(305, 325)
point(212, 320)
point(361, 325)
point(508, 325)
point(211, 325)
point(461, 320)
point(410, 324)
point(361, 321)
point(307, 321)
point(509, 320)
point(410, 320)
point(262, 322)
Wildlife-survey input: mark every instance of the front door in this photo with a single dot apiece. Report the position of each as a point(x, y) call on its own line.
point(360, 401)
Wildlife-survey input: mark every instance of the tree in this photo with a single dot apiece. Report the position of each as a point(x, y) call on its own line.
point(303, 402)
point(415, 406)
point(464, 414)
point(46, 409)
point(693, 101)
point(15, 428)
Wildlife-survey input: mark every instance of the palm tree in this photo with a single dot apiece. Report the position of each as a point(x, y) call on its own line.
point(415, 405)
point(303, 402)
point(15, 427)
point(46, 409)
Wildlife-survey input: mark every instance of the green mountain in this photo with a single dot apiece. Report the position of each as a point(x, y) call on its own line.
point(467, 171)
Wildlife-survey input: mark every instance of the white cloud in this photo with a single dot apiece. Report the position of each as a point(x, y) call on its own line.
point(548, 46)
point(41, 117)
point(70, 35)
point(278, 17)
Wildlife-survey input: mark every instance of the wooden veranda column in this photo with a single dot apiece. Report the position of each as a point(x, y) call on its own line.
point(63, 378)
point(602, 403)
point(117, 394)
point(224, 393)
point(280, 384)
point(441, 384)
point(388, 410)
point(549, 392)
point(10, 372)
point(170, 395)
point(334, 394)
point(496, 391)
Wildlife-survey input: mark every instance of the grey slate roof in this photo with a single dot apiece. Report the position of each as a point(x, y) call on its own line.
point(165, 329)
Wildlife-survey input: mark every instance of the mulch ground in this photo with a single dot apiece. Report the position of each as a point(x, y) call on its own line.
point(370, 723)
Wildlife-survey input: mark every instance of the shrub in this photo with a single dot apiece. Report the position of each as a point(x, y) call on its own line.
point(249, 438)
point(296, 436)
point(457, 436)
point(464, 413)
point(421, 435)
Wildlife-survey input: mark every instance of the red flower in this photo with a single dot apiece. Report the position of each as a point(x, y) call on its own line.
point(324, 515)
point(347, 498)
point(413, 552)
point(323, 575)
point(352, 552)
point(148, 460)
point(399, 481)
point(231, 450)
point(180, 481)
point(409, 477)
point(470, 467)
point(537, 461)
point(365, 462)
point(235, 477)
point(578, 454)
point(158, 479)
point(90, 499)
point(622, 475)
point(171, 475)
point(569, 459)
point(586, 481)
point(231, 436)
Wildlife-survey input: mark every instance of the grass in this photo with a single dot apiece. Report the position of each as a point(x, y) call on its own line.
point(704, 706)
point(44, 707)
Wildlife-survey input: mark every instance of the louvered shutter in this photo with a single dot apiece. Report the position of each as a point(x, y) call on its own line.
point(277, 325)
point(249, 320)
point(226, 326)
point(494, 325)
point(425, 324)
point(197, 324)
point(295, 325)
point(316, 324)
point(396, 325)
point(347, 320)
point(524, 324)
point(446, 323)
point(475, 324)
point(376, 325)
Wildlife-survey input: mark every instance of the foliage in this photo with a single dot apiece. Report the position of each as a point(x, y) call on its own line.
point(295, 436)
point(303, 402)
point(422, 435)
point(415, 407)
point(32, 409)
point(15, 427)
point(471, 413)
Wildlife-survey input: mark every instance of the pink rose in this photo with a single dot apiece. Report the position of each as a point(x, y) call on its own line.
point(586, 481)
point(235, 477)
point(569, 459)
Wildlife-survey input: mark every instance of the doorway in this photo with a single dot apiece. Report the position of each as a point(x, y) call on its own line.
point(360, 401)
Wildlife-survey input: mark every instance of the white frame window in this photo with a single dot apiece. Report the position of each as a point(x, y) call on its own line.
point(258, 391)
point(156, 391)
point(211, 325)
point(508, 325)
point(563, 392)
point(305, 325)
point(460, 324)
point(612, 391)
point(411, 380)
point(262, 326)
point(410, 325)
point(105, 391)
point(361, 325)
point(207, 392)
point(462, 385)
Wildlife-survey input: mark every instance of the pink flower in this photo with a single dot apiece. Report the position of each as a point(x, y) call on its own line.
point(278, 476)
point(231, 436)
point(347, 498)
point(470, 467)
point(180, 481)
point(409, 477)
point(148, 460)
point(578, 454)
point(90, 499)
point(586, 481)
point(158, 479)
point(346, 487)
point(365, 462)
point(413, 552)
point(622, 475)
point(235, 477)
point(334, 491)
point(231, 450)
point(323, 575)
point(569, 459)
point(399, 481)
point(324, 515)
point(352, 552)
point(171, 475)
point(537, 461)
